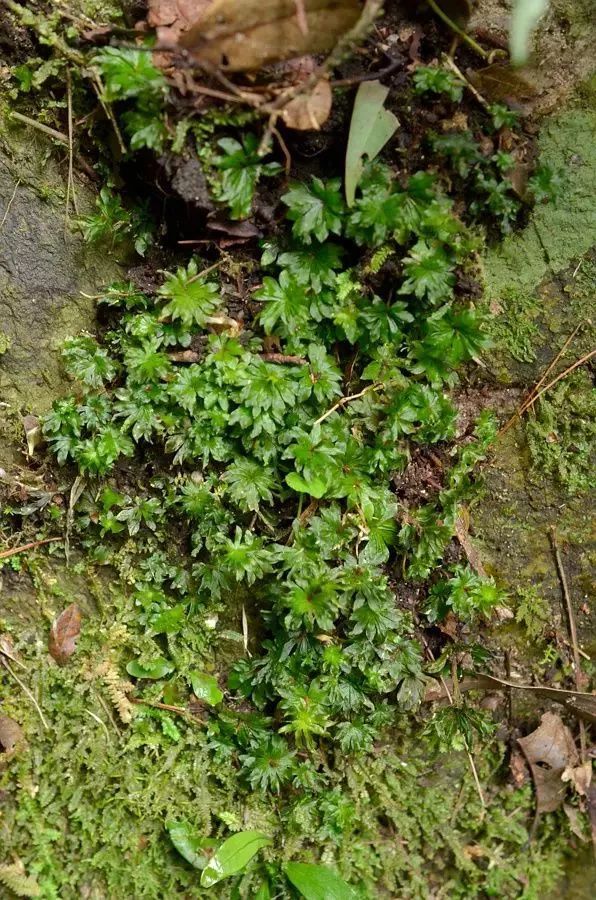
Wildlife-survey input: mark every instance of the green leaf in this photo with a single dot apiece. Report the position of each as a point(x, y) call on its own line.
point(318, 882)
point(370, 129)
point(193, 847)
point(316, 487)
point(233, 856)
point(524, 19)
point(154, 669)
point(315, 210)
point(206, 688)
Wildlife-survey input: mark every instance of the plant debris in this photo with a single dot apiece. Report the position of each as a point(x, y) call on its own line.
point(64, 634)
point(550, 751)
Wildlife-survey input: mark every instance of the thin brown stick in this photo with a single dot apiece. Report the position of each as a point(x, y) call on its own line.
point(456, 691)
point(179, 710)
point(45, 129)
point(284, 359)
point(370, 11)
point(9, 207)
point(343, 401)
point(456, 29)
point(70, 185)
point(5, 554)
point(301, 16)
point(26, 691)
point(579, 362)
point(461, 77)
point(572, 631)
point(539, 384)
point(99, 90)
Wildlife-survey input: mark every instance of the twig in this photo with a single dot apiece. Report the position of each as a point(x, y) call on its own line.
point(70, 185)
point(455, 28)
point(46, 129)
point(370, 11)
point(456, 691)
point(204, 272)
point(100, 722)
point(77, 488)
point(301, 16)
point(466, 83)
point(99, 90)
point(579, 362)
point(343, 401)
point(396, 63)
point(26, 691)
point(5, 554)
point(284, 359)
point(572, 631)
point(179, 710)
point(518, 413)
point(10, 202)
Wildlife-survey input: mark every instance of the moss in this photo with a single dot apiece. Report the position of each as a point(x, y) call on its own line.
point(5, 343)
point(562, 432)
point(558, 232)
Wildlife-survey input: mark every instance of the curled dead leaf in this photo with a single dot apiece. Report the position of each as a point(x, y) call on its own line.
point(579, 776)
point(308, 112)
point(575, 821)
point(549, 750)
point(243, 35)
point(11, 734)
point(64, 633)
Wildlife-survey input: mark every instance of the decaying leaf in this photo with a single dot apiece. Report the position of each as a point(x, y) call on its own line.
point(575, 822)
point(172, 17)
point(33, 435)
point(462, 524)
point(500, 82)
point(11, 734)
point(371, 127)
point(550, 750)
point(64, 633)
point(243, 35)
point(308, 112)
point(579, 776)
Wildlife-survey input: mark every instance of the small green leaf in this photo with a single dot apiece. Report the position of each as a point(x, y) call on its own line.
point(318, 882)
point(370, 129)
point(169, 621)
point(524, 19)
point(233, 856)
point(206, 688)
point(155, 668)
point(316, 487)
point(197, 850)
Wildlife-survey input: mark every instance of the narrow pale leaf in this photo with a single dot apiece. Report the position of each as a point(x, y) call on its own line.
point(370, 129)
point(524, 19)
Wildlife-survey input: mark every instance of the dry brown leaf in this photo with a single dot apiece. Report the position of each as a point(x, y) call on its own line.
point(7, 648)
point(518, 769)
point(591, 805)
point(573, 815)
point(579, 776)
point(172, 17)
point(550, 749)
point(500, 82)
point(11, 734)
point(243, 35)
point(462, 524)
point(64, 633)
point(308, 112)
